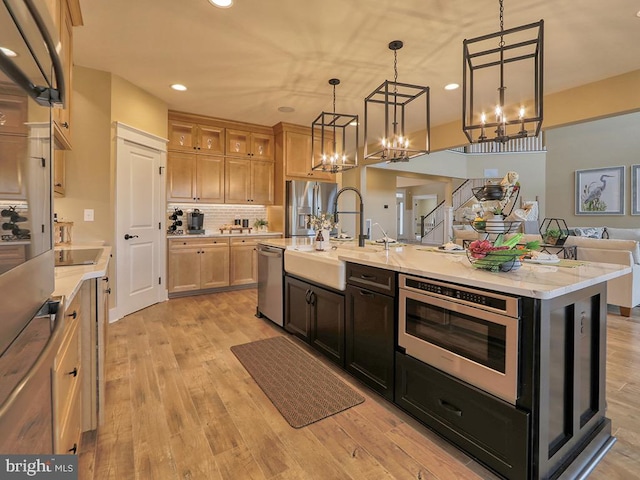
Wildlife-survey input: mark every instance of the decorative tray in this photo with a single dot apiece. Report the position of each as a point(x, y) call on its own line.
point(234, 228)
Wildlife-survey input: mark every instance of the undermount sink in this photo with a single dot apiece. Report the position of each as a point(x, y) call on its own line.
point(323, 268)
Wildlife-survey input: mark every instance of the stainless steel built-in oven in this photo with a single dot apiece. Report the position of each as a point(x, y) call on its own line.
point(470, 334)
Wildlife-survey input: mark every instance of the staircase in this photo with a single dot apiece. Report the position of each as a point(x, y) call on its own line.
point(436, 226)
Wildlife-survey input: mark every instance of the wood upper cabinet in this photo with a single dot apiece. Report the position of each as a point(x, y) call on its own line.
point(242, 143)
point(187, 136)
point(13, 149)
point(13, 110)
point(297, 152)
point(13, 142)
point(195, 178)
point(249, 181)
point(59, 173)
point(219, 161)
point(62, 116)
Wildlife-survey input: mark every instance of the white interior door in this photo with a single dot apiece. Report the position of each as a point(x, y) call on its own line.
point(140, 245)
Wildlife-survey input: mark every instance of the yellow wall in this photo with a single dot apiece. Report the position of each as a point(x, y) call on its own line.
point(135, 107)
point(99, 99)
point(605, 98)
point(88, 164)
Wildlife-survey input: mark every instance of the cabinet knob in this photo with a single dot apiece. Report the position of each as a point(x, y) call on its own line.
point(73, 315)
point(74, 449)
point(105, 279)
point(58, 185)
point(74, 372)
point(108, 291)
point(65, 124)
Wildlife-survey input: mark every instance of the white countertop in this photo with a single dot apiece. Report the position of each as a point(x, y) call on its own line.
point(530, 280)
point(68, 279)
point(216, 233)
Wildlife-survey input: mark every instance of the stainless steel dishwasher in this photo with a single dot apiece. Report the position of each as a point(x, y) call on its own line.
point(271, 283)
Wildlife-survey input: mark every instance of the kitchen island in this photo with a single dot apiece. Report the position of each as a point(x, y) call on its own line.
point(553, 425)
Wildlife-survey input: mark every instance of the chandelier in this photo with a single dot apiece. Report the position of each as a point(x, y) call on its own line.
point(516, 113)
point(399, 111)
point(333, 135)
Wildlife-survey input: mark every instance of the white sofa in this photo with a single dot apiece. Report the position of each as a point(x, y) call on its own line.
point(622, 291)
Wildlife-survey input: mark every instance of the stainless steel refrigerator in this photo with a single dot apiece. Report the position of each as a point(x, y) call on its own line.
point(304, 199)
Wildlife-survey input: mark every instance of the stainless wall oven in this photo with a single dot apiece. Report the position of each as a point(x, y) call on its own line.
point(31, 83)
point(470, 334)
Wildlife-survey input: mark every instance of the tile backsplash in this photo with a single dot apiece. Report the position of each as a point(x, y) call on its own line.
point(217, 215)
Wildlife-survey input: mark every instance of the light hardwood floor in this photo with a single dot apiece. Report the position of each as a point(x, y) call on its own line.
point(180, 406)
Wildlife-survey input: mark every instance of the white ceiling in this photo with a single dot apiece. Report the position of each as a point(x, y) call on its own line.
point(244, 62)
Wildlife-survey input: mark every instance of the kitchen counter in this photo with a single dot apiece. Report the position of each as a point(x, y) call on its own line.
point(68, 279)
point(216, 233)
point(531, 280)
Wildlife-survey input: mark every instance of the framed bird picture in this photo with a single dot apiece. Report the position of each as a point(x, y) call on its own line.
point(635, 189)
point(600, 191)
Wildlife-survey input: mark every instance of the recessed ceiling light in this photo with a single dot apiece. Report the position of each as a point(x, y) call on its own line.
point(286, 109)
point(451, 86)
point(179, 87)
point(638, 13)
point(221, 3)
point(8, 53)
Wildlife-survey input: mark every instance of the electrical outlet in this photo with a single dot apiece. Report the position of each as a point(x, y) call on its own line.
point(88, 214)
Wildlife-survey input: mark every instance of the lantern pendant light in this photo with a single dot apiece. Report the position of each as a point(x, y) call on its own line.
point(400, 112)
point(487, 117)
point(334, 139)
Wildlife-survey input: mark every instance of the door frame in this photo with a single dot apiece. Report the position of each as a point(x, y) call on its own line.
point(126, 134)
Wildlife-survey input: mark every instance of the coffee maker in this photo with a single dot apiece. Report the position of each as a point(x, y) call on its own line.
point(195, 220)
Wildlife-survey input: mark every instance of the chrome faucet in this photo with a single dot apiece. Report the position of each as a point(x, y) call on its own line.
point(361, 236)
point(385, 238)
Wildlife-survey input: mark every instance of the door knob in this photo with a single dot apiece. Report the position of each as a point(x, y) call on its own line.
point(127, 236)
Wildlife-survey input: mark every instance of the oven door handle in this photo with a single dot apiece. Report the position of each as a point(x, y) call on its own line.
point(45, 357)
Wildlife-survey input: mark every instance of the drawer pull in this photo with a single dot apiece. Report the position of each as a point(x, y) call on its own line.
point(367, 277)
point(73, 372)
point(74, 449)
point(73, 315)
point(364, 293)
point(452, 408)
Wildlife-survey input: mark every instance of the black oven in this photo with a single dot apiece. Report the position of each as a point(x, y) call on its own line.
point(470, 334)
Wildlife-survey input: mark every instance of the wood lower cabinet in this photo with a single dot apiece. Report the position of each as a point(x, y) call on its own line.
point(67, 375)
point(316, 315)
point(243, 265)
point(206, 263)
point(12, 255)
point(371, 327)
point(486, 427)
point(198, 264)
point(195, 178)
